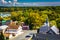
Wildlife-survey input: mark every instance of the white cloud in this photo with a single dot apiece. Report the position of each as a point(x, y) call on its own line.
point(15, 0)
point(5, 1)
point(2, 0)
point(9, 2)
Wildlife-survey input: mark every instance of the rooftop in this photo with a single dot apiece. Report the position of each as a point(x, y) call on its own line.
point(3, 27)
point(11, 26)
point(46, 37)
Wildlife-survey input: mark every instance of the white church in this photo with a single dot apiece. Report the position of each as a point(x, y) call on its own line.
point(44, 29)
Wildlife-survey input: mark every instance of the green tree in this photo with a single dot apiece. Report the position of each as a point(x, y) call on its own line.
point(2, 36)
point(1, 18)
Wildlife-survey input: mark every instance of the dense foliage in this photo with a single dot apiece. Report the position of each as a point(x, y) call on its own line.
point(34, 16)
point(2, 36)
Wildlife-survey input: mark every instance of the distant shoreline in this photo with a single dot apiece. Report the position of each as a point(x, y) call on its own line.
point(33, 4)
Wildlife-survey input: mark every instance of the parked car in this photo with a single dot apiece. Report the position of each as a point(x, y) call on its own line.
point(27, 36)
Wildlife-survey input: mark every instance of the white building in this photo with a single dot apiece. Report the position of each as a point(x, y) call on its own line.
point(47, 29)
point(55, 29)
point(5, 14)
point(3, 28)
point(13, 30)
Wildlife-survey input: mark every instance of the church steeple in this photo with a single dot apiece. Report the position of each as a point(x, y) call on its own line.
point(46, 22)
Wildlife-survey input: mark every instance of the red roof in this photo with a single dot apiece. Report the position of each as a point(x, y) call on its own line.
point(13, 26)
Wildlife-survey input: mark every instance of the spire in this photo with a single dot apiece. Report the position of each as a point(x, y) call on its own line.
point(46, 22)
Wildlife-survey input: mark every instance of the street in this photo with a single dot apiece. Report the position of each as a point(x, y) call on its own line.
point(22, 36)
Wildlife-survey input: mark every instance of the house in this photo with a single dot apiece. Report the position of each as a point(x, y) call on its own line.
point(24, 26)
point(53, 30)
point(10, 29)
point(44, 28)
point(3, 28)
point(47, 33)
point(4, 22)
point(8, 22)
point(40, 36)
point(5, 14)
point(13, 30)
point(47, 29)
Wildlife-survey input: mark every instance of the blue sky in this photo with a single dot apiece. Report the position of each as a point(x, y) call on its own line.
point(33, 3)
point(37, 0)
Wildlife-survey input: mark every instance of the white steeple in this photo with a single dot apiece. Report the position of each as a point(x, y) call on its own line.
point(47, 22)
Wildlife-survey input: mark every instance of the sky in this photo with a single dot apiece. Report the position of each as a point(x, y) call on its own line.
point(37, 0)
point(32, 3)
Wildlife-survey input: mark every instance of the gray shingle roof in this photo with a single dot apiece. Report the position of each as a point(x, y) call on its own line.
point(44, 29)
point(55, 29)
point(47, 33)
point(46, 37)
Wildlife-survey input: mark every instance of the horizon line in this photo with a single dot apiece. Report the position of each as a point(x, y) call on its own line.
point(33, 4)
